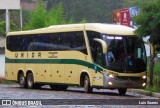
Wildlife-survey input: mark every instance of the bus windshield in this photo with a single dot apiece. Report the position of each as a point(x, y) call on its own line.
point(125, 54)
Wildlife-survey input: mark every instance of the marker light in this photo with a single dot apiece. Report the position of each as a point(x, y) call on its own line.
point(144, 77)
point(144, 84)
point(111, 76)
point(118, 38)
point(110, 83)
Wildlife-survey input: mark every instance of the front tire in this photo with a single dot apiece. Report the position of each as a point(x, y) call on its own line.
point(87, 87)
point(122, 91)
point(30, 81)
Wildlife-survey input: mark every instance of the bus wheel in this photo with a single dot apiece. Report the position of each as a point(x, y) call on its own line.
point(122, 91)
point(30, 80)
point(22, 81)
point(87, 87)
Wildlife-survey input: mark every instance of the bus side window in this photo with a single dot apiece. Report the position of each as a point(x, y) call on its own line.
point(78, 42)
point(25, 43)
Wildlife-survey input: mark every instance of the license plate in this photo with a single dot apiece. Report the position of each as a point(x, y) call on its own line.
point(128, 84)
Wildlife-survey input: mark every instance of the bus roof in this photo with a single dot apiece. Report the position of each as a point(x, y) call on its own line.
point(111, 29)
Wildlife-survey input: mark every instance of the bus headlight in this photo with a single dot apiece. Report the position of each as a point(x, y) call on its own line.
point(110, 83)
point(144, 77)
point(144, 84)
point(111, 76)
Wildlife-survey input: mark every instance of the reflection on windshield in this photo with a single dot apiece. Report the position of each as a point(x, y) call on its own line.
point(125, 54)
point(115, 48)
point(136, 53)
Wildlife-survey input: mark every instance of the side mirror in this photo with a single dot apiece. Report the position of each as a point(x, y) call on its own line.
point(103, 43)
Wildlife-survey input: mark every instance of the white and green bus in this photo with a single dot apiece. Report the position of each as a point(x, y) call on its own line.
point(91, 55)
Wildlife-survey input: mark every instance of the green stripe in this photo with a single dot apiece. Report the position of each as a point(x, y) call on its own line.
point(55, 61)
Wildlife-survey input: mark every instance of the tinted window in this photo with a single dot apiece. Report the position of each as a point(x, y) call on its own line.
point(136, 59)
point(116, 54)
point(48, 42)
point(116, 48)
point(96, 48)
point(125, 53)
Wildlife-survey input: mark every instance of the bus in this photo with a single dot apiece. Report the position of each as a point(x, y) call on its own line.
point(90, 55)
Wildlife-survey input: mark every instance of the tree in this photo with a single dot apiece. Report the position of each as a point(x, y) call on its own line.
point(132, 3)
point(83, 21)
point(13, 27)
point(37, 19)
point(55, 15)
point(26, 16)
point(92, 10)
point(2, 28)
point(50, 17)
point(71, 20)
point(60, 17)
point(149, 24)
point(40, 18)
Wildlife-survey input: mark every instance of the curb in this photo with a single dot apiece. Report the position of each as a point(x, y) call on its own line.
point(156, 94)
point(147, 93)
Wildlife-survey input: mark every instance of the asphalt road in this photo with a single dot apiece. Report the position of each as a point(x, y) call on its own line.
point(8, 92)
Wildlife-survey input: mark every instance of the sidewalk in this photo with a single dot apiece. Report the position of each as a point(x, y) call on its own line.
point(2, 42)
point(2, 65)
point(144, 92)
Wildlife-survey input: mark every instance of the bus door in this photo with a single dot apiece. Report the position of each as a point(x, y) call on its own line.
point(98, 56)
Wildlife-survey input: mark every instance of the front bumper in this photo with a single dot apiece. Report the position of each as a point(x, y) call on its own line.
point(113, 83)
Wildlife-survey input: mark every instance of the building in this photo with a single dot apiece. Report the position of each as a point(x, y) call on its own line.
point(28, 4)
point(31, 4)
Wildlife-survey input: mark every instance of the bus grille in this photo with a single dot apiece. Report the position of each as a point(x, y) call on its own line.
point(129, 78)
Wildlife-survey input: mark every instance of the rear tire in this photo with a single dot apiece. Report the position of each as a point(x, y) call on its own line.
point(87, 87)
point(30, 80)
point(122, 91)
point(22, 81)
